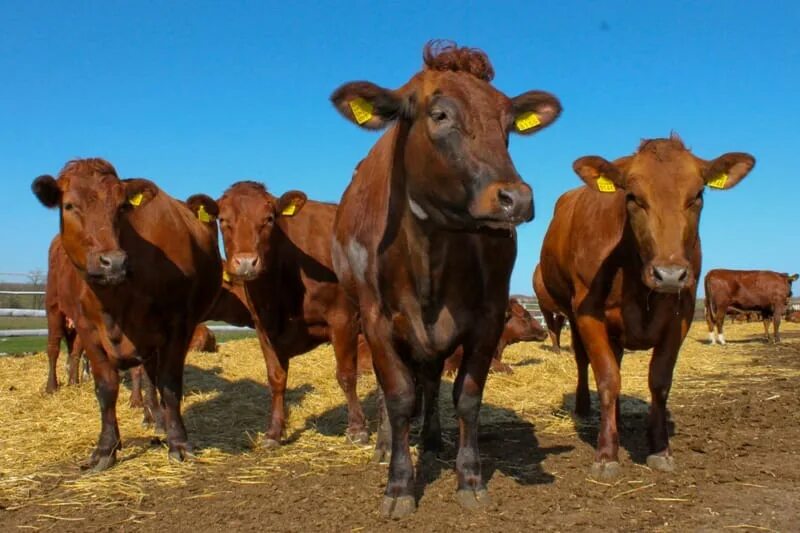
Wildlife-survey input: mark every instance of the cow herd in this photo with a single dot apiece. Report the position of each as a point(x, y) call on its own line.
point(411, 269)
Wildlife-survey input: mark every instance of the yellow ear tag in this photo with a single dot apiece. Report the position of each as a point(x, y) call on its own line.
point(527, 121)
point(362, 110)
point(605, 185)
point(136, 199)
point(202, 214)
point(289, 210)
point(226, 276)
point(719, 182)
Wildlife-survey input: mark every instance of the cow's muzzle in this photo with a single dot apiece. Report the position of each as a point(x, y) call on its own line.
point(107, 268)
point(668, 278)
point(504, 204)
point(245, 266)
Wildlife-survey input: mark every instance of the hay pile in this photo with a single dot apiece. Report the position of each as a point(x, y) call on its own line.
point(226, 404)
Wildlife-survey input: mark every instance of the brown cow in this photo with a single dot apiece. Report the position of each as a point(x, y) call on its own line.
point(793, 316)
point(520, 326)
point(425, 241)
point(763, 291)
point(549, 309)
point(152, 271)
point(62, 307)
point(280, 248)
point(620, 260)
point(203, 340)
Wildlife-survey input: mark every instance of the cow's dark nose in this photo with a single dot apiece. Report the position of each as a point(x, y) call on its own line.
point(108, 267)
point(516, 201)
point(246, 265)
point(670, 278)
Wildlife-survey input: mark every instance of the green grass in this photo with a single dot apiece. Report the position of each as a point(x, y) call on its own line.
point(21, 322)
point(21, 345)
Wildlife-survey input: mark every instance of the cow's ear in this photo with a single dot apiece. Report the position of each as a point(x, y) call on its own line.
point(204, 207)
point(367, 105)
point(47, 190)
point(291, 202)
point(793, 277)
point(139, 191)
point(601, 175)
point(728, 169)
point(534, 111)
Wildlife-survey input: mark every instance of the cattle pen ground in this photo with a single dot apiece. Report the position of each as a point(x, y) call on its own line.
point(736, 413)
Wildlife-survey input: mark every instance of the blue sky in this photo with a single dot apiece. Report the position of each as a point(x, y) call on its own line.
point(198, 95)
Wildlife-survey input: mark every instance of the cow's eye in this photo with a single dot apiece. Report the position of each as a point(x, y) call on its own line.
point(68, 207)
point(270, 219)
point(438, 115)
point(636, 200)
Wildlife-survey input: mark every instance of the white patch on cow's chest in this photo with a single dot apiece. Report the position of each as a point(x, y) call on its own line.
point(417, 209)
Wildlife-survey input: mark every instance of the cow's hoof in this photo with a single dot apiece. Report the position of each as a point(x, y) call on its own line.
point(662, 463)
point(181, 452)
point(396, 508)
point(98, 463)
point(473, 499)
point(606, 470)
point(50, 389)
point(358, 436)
point(381, 456)
point(269, 443)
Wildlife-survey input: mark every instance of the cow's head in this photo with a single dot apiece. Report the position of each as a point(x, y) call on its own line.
point(248, 215)
point(663, 184)
point(454, 149)
point(789, 280)
point(520, 324)
point(92, 200)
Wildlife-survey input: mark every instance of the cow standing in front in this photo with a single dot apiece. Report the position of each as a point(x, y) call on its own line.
point(762, 291)
point(280, 249)
point(152, 271)
point(425, 241)
point(620, 260)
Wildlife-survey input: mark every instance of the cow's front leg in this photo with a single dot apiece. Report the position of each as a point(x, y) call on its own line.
point(431, 378)
point(467, 398)
point(106, 388)
point(662, 366)
point(277, 376)
point(605, 367)
point(169, 381)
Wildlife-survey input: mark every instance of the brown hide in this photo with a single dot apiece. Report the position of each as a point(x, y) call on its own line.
point(62, 307)
point(549, 310)
point(203, 340)
point(425, 242)
point(231, 304)
point(761, 291)
point(280, 249)
point(622, 266)
point(152, 271)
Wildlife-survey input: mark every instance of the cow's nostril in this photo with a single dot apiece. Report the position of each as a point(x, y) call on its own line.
point(657, 275)
point(683, 275)
point(254, 261)
point(505, 198)
point(104, 261)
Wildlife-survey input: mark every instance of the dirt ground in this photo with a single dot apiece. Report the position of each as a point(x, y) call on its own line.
point(736, 414)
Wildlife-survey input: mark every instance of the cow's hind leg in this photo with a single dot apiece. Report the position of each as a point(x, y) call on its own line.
point(55, 330)
point(136, 386)
point(431, 378)
point(583, 402)
point(344, 337)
